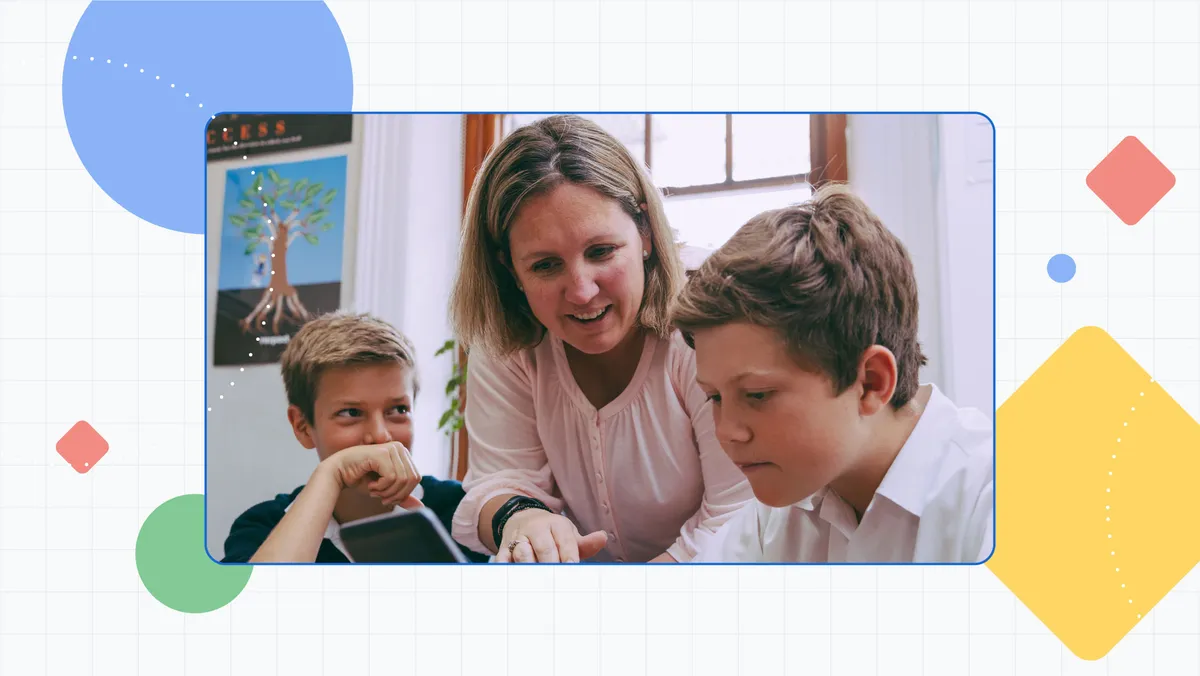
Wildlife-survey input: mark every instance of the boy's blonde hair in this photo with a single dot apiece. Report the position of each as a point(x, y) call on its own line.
point(340, 339)
point(486, 307)
point(827, 276)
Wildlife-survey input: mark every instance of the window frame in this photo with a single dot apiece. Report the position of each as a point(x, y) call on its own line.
point(827, 157)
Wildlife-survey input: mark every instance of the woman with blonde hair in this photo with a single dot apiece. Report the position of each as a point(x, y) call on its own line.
point(583, 414)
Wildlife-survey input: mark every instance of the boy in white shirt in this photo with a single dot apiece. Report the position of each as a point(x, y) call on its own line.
point(805, 331)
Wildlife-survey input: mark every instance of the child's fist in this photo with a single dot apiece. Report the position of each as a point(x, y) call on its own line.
point(387, 468)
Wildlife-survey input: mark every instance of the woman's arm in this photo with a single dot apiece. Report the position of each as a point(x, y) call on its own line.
point(726, 489)
point(506, 454)
point(486, 536)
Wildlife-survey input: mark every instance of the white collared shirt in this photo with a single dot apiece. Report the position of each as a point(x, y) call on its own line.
point(934, 505)
point(333, 531)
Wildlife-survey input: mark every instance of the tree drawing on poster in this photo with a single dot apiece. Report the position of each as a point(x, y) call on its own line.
point(281, 255)
point(304, 208)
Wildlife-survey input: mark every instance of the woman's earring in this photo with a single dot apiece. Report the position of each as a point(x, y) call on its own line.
point(645, 255)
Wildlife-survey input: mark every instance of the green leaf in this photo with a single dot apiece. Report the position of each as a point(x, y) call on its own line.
point(273, 175)
point(269, 199)
point(312, 239)
point(252, 233)
point(319, 214)
point(452, 386)
point(301, 184)
point(237, 219)
point(446, 347)
point(246, 203)
point(306, 203)
point(313, 191)
point(329, 197)
point(445, 418)
point(257, 184)
point(284, 185)
point(287, 204)
point(250, 249)
point(325, 227)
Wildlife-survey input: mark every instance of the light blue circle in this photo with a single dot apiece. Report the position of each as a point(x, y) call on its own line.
point(1061, 268)
point(141, 139)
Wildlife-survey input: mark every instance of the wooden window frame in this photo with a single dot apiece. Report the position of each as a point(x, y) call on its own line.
point(480, 134)
point(827, 159)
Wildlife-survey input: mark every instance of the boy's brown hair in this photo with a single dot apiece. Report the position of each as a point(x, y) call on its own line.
point(340, 339)
point(827, 276)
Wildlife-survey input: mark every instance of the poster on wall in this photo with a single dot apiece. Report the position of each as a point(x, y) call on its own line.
point(282, 237)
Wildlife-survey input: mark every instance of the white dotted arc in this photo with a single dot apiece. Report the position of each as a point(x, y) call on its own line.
point(75, 57)
point(1108, 507)
point(249, 354)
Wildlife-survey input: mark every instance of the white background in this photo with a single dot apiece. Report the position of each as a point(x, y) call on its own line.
point(84, 335)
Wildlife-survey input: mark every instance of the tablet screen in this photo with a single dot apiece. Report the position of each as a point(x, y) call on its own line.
point(401, 537)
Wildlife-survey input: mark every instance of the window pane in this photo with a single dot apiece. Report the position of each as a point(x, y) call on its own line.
point(710, 219)
point(687, 150)
point(770, 145)
point(629, 129)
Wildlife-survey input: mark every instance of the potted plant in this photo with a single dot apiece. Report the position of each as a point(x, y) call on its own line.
point(452, 418)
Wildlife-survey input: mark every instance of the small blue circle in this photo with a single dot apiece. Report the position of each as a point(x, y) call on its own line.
point(1061, 268)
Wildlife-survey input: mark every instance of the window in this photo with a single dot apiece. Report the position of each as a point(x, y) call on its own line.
point(717, 171)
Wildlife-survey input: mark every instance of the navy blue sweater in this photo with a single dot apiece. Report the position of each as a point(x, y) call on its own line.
point(251, 529)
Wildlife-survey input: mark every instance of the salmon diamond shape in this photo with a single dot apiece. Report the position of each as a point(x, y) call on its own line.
point(1095, 472)
point(82, 447)
point(1130, 180)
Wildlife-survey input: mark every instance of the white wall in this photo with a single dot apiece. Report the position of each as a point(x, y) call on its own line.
point(914, 172)
point(403, 207)
point(966, 220)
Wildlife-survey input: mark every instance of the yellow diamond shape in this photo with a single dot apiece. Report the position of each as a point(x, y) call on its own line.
point(1096, 471)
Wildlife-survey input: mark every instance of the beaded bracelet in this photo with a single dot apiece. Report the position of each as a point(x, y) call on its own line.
point(515, 504)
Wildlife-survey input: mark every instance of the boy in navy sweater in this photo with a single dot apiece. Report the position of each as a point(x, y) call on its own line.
point(351, 382)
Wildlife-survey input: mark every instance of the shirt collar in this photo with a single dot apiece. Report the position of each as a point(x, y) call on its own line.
point(914, 469)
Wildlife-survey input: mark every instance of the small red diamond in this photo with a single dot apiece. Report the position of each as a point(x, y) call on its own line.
point(1130, 180)
point(82, 447)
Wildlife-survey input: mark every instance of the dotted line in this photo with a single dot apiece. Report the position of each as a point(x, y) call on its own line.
point(257, 339)
point(92, 59)
point(1108, 507)
point(186, 95)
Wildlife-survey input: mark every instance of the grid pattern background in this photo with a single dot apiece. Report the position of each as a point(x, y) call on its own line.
point(101, 319)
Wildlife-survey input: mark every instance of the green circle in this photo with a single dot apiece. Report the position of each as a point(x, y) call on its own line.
point(173, 564)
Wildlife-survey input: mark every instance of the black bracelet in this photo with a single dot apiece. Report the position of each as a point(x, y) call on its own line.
point(513, 505)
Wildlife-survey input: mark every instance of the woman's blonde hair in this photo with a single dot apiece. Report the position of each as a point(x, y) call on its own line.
point(487, 308)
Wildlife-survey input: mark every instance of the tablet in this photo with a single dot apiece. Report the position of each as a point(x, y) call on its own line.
point(414, 536)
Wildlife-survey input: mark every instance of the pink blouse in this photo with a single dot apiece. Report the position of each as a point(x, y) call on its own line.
point(646, 468)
